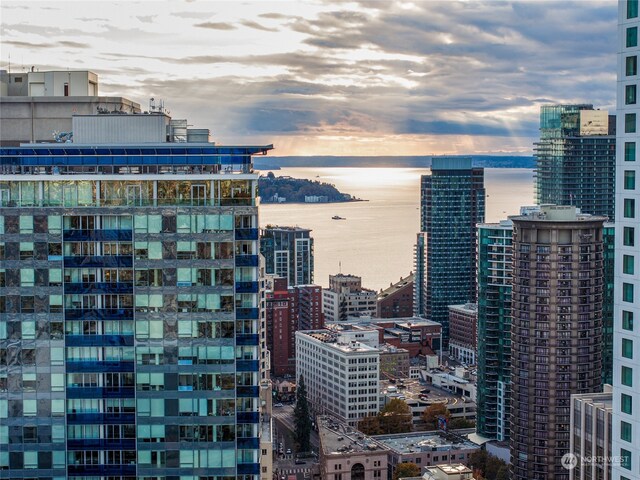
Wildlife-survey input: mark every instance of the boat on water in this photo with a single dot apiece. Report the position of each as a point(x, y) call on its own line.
point(338, 217)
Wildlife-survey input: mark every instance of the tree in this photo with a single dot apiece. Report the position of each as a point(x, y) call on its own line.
point(396, 417)
point(406, 469)
point(370, 425)
point(432, 413)
point(302, 419)
point(461, 423)
point(488, 466)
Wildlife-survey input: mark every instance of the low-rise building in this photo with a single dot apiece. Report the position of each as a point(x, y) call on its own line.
point(396, 301)
point(426, 449)
point(463, 331)
point(394, 362)
point(346, 454)
point(341, 374)
point(455, 471)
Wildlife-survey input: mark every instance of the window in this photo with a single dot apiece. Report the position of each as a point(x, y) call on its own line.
point(626, 376)
point(627, 348)
point(630, 95)
point(26, 224)
point(632, 66)
point(627, 264)
point(628, 236)
point(629, 208)
point(630, 151)
point(27, 277)
point(629, 123)
point(626, 404)
point(625, 431)
point(627, 292)
point(632, 8)
point(55, 224)
point(629, 180)
point(627, 320)
point(625, 460)
point(632, 37)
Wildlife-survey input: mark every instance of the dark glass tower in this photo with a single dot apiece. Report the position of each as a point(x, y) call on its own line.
point(452, 201)
point(288, 252)
point(129, 307)
point(495, 265)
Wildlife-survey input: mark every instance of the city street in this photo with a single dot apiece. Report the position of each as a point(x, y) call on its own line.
point(285, 463)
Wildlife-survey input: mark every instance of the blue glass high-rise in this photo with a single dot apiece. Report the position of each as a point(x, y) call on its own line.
point(129, 311)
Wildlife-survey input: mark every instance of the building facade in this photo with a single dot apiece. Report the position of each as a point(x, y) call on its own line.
point(626, 345)
point(289, 309)
point(397, 300)
point(288, 252)
point(591, 435)
point(556, 333)
point(346, 297)
point(341, 371)
point(129, 330)
point(495, 266)
point(452, 202)
point(463, 337)
point(575, 158)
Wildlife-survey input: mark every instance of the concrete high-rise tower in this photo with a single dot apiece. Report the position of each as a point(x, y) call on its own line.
point(556, 333)
point(626, 345)
point(452, 203)
point(288, 252)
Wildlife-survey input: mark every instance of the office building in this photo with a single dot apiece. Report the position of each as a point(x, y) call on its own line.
point(608, 300)
point(289, 309)
point(626, 330)
point(495, 265)
point(288, 252)
point(575, 158)
point(463, 337)
point(556, 333)
point(591, 435)
point(346, 297)
point(341, 371)
point(396, 301)
point(129, 333)
point(452, 202)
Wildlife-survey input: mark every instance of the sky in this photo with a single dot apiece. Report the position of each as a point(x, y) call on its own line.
point(334, 77)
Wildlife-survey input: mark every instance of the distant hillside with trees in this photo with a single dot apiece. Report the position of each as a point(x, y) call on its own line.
point(294, 190)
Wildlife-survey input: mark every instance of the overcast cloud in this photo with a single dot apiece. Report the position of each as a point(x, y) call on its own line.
point(344, 78)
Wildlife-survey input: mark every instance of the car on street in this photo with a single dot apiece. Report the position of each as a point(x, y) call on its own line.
point(279, 405)
point(299, 461)
point(288, 451)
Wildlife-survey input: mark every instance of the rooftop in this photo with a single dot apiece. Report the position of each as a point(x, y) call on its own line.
point(285, 228)
point(338, 438)
point(468, 308)
point(405, 443)
point(335, 341)
point(403, 282)
point(556, 213)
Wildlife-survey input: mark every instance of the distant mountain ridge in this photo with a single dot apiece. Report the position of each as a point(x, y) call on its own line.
point(487, 161)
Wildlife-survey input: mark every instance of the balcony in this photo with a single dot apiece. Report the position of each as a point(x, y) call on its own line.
point(243, 339)
point(246, 287)
point(100, 418)
point(249, 443)
point(79, 366)
point(99, 340)
point(99, 287)
point(98, 314)
point(115, 261)
point(101, 392)
point(101, 443)
point(248, 469)
point(246, 260)
point(249, 391)
point(247, 313)
point(248, 417)
point(247, 365)
point(103, 469)
point(97, 235)
point(247, 234)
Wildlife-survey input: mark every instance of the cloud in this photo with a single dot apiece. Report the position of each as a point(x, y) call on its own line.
point(215, 25)
point(257, 26)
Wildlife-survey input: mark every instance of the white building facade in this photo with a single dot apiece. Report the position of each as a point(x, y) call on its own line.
point(626, 359)
point(341, 375)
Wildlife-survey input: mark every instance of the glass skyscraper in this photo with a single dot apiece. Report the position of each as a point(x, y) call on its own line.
point(129, 308)
point(575, 158)
point(495, 266)
point(452, 203)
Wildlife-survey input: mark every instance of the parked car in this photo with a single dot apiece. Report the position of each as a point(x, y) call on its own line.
point(279, 405)
point(299, 461)
point(288, 451)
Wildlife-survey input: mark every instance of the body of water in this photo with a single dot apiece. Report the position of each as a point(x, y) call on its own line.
point(376, 239)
